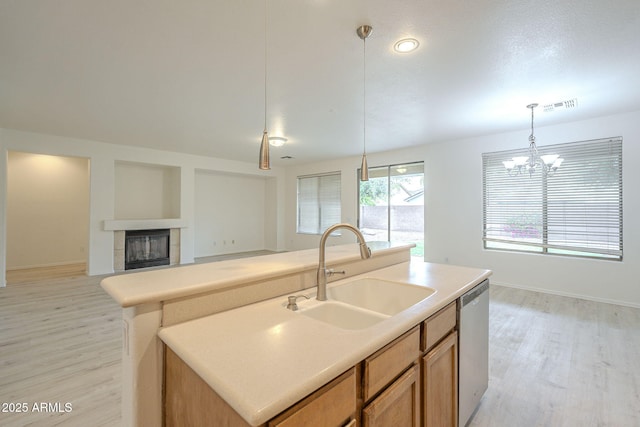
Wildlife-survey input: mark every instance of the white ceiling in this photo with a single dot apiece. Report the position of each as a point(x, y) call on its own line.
point(188, 75)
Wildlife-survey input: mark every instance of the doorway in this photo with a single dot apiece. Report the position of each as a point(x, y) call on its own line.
point(391, 205)
point(47, 216)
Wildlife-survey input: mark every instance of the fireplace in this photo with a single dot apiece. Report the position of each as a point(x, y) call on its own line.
point(146, 248)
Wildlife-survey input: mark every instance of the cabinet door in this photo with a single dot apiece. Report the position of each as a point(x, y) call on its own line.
point(398, 405)
point(440, 380)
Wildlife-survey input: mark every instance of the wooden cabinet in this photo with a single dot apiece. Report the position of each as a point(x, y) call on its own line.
point(412, 381)
point(398, 405)
point(438, 326)
point(440, 384)
point(391, 383)
point(388, 363)
point(333, 405)
point(440, 369)
point(189, 401)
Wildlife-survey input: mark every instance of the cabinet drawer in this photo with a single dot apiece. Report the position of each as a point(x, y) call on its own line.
point(332, 405)
point(438, 326)
point(389, 362)
point(398, 405)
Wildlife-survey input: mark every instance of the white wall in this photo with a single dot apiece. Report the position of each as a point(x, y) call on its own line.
point(46, 194)
point(453, 214)
point(453, 210)
point(229, 213)
point(103, 158)
point(453, 203)
point(274, 236)
point(349, 191)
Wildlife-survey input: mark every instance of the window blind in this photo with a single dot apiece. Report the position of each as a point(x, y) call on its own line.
point(576, 210)
point(319, 202)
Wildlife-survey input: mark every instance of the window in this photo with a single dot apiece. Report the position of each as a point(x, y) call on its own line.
point(576, 210)
point(391, 205)
point(318, 202)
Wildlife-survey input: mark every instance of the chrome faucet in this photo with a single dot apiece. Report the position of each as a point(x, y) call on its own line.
point(323, 272)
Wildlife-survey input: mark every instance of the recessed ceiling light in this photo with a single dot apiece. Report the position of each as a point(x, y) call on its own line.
point(277, 141)
point(406, 45)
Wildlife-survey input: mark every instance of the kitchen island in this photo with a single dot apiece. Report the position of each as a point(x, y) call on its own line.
point(227, 322)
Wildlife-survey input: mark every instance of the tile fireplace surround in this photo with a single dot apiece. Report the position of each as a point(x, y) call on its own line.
point(119, 228)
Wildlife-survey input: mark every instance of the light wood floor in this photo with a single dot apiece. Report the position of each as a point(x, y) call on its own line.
point(60, 342)
point(559, 361)
point(554, 361)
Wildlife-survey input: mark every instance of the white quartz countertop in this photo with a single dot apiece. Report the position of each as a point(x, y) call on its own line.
point(133, 288)
point(262, 358)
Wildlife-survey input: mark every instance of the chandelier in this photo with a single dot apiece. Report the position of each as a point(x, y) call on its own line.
point(548, 163)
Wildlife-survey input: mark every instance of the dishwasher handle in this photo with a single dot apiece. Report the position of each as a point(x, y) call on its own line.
point(474, 293)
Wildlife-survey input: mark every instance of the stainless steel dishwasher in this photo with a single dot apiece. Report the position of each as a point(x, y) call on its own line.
point(473, 374)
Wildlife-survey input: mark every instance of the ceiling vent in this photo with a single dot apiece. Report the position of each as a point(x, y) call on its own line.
point(562, 105)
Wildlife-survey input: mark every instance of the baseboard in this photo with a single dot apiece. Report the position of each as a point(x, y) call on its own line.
point(568, 294)
point(51, 265)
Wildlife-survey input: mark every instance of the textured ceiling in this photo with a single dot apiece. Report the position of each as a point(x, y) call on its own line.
point(188, 75)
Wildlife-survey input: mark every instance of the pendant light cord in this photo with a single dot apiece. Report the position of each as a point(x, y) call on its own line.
point(363, 32)
point(265, 65)
point(364, 96)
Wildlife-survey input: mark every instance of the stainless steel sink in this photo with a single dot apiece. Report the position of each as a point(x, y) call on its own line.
point(382, 296)
point(342, 315)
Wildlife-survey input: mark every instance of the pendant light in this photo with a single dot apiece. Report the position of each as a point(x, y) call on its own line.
point(264, 162)
point(363, 32)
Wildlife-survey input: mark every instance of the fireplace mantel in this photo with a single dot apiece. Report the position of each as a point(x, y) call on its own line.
point(142, 224)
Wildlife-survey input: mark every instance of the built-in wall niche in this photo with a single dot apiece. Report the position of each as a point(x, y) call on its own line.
point(146, 191)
